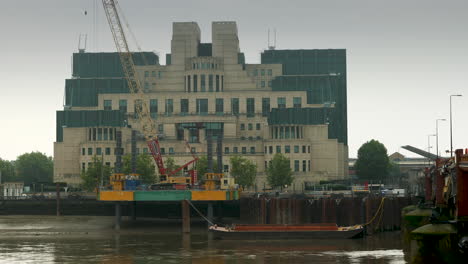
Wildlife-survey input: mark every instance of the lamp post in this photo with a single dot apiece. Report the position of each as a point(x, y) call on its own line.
point(451, 141)
point(437, 135)
point(429, 145)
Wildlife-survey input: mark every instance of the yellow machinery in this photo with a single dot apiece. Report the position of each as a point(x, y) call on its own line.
point(212, 181)
point(175, 179)
point(227, 183)
point(117, 180)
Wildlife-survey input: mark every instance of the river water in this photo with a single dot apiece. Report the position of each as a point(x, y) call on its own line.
point(166, 244)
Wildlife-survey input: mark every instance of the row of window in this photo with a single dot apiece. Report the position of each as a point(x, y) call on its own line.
point(250, 126)
point(287, 149)
point(101, 133)
point(153, 74)
point(206, 83)
point(99, 151)
point(202, 105)
point(297, 167)
point(261, 72)
point(204, 65)
point(286, 132)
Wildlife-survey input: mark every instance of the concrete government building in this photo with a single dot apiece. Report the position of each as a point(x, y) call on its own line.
point(293, 102)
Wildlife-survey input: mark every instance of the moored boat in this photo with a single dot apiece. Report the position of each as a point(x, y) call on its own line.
point(272, 231)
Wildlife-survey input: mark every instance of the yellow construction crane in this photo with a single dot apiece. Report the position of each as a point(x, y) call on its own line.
point(148, 127)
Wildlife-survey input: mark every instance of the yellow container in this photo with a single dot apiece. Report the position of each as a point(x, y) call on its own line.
point(116, 196)
point(208, 195)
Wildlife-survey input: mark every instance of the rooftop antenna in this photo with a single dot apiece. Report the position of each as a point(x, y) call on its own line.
point(82, 48)
point(271, 47)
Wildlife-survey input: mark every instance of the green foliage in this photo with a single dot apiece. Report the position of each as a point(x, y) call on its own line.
point(7, 169)
point(95, 173)
point(372, 163)
point(34, 167)
point(202, 166)
point(144, 167)
point(243, 170)
point(170, 164)
point(279, 173)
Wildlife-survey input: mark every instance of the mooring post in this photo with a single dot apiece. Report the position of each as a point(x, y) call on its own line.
point(185, 216)
point(57, 197)
point(210, 213)
point(118, 216)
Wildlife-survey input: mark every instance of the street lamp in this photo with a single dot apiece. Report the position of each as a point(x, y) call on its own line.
point(437, 135)
point(451, 141)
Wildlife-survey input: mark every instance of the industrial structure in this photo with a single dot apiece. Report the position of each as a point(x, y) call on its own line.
point(293, 102)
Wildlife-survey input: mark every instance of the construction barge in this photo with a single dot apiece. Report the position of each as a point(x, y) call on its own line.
point(272, 231)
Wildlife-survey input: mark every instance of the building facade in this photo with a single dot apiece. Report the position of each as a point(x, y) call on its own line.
point(293, 102)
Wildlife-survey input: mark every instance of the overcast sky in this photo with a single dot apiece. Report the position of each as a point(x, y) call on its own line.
point(404, 58)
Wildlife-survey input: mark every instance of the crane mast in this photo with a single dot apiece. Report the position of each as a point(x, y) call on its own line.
point(148, 127)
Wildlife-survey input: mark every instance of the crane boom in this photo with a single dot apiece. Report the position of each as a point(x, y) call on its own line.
point(148, 127)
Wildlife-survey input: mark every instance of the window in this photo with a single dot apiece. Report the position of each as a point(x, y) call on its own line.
point(107, 104)
point(242, 126)
point(108, 151)
point(263, 84)
point(258, 126)
point(270, 72)
point(163, 151)
point(308, 149)
point(226, 168)
point(90, 151)
point(123, 105)
point(106, 134)
point(217, 83)
point(202, 106)
point(153, 107)
point(296, 165)
point(255, 72)
point(250, 126)
point(263, 72)
point(99, 134)
point(160, 128)
point(265, 106)
point(252, 150)
point(269, 83)
point(303, 149)
point(309, 165)
point(202, 83)
point(159, 74)
point(278, 149)
point(188, 84)
point(184, 106)
point(296, 149)
point(153, 73)
point(195, 83)
point(210, 82)
point(304, 166)
point(98, 151)
point(83, 166)
point(286, 132)
point(146, 87)
point(146, 74)
point(171, 150)
point(234, 149)
point(287, 149)
point(111, 134)
point(219, 105)
point(270, 148)
point(281, 102)
point(235, 106)
point(108, 164)
point(250, 107)
point(226, 150)
point(169, 106)
point(297, 102)
point(244, 150)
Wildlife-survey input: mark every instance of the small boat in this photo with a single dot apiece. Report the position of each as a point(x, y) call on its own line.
point(272, 231)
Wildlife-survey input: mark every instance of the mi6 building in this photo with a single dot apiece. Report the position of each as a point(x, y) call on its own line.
point(293, 103)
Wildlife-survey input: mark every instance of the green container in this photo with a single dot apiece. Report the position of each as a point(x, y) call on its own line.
point(175, 195)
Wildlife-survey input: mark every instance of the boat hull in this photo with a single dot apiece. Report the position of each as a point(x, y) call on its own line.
point(273, 235)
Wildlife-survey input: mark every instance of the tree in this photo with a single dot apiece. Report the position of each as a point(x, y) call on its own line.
point(95, 173)
point(243, 170)
point(34, 167)
point(144, 167)
point(372, 163)
point(279, 172)
point(170, 164)
point(202, 166)
point(7, 171)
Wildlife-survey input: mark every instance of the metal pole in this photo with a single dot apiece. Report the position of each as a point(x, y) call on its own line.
point(437, 136)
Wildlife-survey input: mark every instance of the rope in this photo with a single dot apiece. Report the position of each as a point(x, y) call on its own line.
point(376, 213)
point(196, 210)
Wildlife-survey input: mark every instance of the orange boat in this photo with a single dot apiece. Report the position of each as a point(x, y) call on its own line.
point(270, 231)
